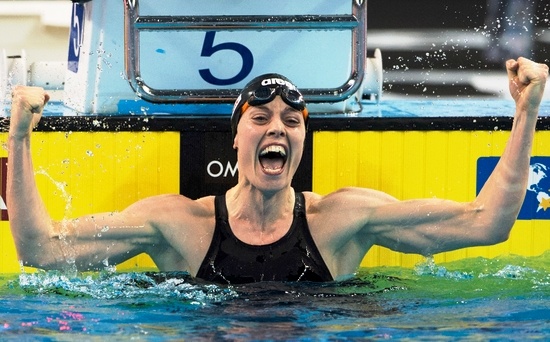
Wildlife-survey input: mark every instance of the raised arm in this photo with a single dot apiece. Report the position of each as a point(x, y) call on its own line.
point(432, 226)
point(503, 194)
point(29, 220)
point(88, 242)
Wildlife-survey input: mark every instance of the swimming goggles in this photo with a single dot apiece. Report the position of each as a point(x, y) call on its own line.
point(265, 94)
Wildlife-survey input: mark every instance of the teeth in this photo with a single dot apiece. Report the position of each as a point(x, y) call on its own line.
point(275, 149)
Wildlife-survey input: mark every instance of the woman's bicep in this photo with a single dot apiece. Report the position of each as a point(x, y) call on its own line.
point(426, 226)
point(93, 241)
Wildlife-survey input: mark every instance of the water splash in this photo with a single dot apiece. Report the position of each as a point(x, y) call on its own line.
point(109, 285)
point(67, 246)
point(429, 267)
point(60, 186)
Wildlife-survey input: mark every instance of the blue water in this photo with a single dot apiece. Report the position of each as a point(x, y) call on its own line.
point(476, 299)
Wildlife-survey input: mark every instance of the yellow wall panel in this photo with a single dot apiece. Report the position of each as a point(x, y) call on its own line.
point(324, 168)
point(413, 178)
point(9, 262)
point(370, 153)
point(391, 163)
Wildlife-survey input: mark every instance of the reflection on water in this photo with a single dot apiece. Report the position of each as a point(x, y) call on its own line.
point(473, 298)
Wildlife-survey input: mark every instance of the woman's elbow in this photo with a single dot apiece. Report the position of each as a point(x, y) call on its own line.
point(38, 257)
point(40, 252)
point(497, 234)
point(491, 228)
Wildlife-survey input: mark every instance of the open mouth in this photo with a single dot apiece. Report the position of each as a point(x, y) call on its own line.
point(273, 159)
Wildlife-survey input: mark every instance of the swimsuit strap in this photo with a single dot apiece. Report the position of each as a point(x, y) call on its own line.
point(299, 205)
point(221, 208)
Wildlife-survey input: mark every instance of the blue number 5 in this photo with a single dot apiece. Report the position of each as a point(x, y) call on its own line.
point(208, 49)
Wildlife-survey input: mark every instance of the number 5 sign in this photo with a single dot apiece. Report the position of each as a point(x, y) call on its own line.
point(209, 49)
point(187, 51)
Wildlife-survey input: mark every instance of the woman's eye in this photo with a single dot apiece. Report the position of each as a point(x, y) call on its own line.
point(260, 118)
point(293, 121)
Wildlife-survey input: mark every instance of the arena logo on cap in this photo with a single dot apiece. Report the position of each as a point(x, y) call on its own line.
point(274, 80)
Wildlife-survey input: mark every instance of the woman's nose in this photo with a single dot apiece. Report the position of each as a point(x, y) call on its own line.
point(276, 127)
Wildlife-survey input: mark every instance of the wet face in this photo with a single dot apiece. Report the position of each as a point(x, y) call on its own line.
point(269, 143)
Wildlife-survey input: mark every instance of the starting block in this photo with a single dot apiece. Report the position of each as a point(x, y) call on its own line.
point(188, 57)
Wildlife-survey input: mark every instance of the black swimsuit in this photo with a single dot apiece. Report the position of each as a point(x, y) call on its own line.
point(294, 257)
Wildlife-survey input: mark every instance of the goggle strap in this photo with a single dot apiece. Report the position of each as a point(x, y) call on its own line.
point(244, 107)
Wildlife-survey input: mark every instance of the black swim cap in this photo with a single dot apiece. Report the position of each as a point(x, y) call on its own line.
point(262, 90)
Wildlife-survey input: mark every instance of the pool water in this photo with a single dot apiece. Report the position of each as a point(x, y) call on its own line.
point(476, 299)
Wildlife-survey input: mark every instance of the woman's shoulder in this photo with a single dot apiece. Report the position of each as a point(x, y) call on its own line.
point(347, 196)
point(176, 204)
